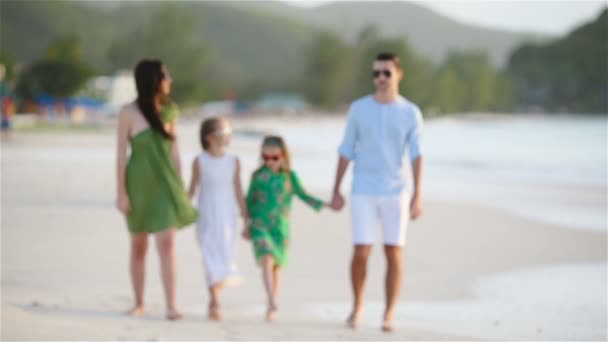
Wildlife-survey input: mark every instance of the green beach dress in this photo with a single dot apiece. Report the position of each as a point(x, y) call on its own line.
point(156, 192)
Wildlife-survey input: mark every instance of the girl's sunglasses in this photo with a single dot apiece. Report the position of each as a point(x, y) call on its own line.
point(386, 73)
point(270, 157)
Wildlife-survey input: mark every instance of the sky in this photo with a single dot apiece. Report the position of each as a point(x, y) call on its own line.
point(548, 16)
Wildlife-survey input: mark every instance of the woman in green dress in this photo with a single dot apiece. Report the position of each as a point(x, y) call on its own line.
point(150, 190)
point(269, 202)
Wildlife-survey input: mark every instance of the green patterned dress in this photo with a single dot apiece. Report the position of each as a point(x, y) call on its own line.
point(269, 203)
point(156, 192)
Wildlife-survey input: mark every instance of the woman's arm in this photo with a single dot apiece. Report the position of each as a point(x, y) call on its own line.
point(124, 127)
point(172, 129)
point(298, 189)
point(194, 179)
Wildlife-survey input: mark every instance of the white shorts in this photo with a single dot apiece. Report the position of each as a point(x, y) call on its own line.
point(392, 212)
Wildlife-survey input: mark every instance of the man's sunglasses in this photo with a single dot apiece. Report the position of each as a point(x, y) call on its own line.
point(386, 73)
point(268, 157)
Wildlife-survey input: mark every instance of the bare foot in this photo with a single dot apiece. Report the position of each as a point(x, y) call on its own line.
point(387, 326)
point(173, 315)
point(136, 311)
point(214, 312)
point(353, 319)
point(271, 313)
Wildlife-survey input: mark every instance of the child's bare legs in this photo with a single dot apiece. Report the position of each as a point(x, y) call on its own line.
point(139, 246)
point(214, 302)
point(269, 269)
point(166, 252)
point(275, 274)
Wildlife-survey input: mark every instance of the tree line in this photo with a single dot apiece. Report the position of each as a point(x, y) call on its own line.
point(568, 74)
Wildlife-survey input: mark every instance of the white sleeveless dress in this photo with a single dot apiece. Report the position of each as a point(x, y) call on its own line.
point(217, 223)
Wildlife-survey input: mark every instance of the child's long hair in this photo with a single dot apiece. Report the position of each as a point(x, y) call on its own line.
point(207, 128)
point(277, 141)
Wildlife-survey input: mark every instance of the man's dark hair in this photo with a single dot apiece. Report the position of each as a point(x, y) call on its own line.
point(388, 56)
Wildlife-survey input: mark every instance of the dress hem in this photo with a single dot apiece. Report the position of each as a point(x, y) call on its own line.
point(177, 226)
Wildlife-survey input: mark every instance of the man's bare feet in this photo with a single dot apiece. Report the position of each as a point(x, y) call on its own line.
point(136, 311)
point(271, 313)
point(387, 326)
point(353, 319)
point(173, 315)
point(214, 312)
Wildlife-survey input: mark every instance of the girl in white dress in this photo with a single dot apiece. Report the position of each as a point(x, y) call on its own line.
point(220, 199)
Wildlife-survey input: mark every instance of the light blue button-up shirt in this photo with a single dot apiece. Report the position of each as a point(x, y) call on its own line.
point(377, 138)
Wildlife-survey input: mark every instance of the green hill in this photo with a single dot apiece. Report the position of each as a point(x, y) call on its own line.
point(28, 27)
point(253, 46)
point(431, 34)
point(245, 46)
point(569, 74)
point(254, 39)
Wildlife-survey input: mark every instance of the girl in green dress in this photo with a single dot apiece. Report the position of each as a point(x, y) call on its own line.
point(150, 191)
point(268, 202)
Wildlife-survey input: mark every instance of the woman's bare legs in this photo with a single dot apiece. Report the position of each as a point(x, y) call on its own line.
point(166, 251)
point(139, 246)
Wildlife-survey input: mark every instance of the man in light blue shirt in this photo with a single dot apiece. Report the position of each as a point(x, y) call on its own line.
point(381, 130)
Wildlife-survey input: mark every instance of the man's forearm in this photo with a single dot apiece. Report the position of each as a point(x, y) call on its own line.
point(417, 173)
point(340, 170)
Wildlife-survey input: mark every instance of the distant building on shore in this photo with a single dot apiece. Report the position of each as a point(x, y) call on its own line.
point(100, 98)
point(281, 103)
point(114, 91)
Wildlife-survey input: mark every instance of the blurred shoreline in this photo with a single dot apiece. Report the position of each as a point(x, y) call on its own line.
point(508, 174)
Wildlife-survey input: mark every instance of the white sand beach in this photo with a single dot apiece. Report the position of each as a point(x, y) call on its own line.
point(473, 271)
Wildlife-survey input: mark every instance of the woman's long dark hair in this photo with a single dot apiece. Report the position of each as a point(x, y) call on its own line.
point(148, 74)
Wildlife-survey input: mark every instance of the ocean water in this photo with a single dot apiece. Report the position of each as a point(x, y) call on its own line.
point(551, 169)
point(547, 168)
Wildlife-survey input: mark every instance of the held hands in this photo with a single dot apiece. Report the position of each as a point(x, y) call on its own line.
point(416, 207)
point(123, 204)
point(337, 201)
